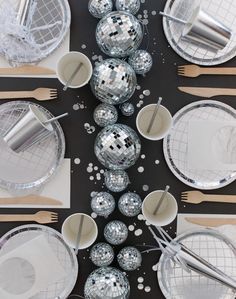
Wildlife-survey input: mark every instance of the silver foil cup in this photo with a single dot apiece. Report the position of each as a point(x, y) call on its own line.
point(28, 130)
point(206, 31)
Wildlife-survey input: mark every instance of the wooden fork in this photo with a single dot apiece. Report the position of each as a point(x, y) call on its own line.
point(196, 197)
point(40, 94)
point(193, 71)
point(41, 217)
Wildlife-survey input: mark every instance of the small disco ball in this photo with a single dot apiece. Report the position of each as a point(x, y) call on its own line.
point(116, 180)
point(105, 114)
point(116, 232)
point(129, 258)
point(119, 34)
point(103, 204)
point(102, 254)
point(141, 61)
point(113, 81)
point(107, 283)
point(100, 8)
point(130, 204)
point(131, 6)
point(117, 147)
point(127, 109)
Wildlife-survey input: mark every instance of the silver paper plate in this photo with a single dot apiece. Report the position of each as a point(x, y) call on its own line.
point(222, 10)
point(177, 283)
point(45, 35)
point(175, 145)
point(66, 256)
point(27, 171)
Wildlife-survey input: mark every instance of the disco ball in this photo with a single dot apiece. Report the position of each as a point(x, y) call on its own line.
point(130, 204)
point(116, 232)
point(141, 61)
point(105, 114)
point(99, 8)
point(119, 34)
point(102, 254)
point(129, 258)
point(117, 147)
point(107, 283)
point(131, 6)
point(127, 109)
point(116, 180)
point(103, 204)
point(113, 81)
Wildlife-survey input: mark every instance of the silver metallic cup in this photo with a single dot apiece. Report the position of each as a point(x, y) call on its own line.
point(28, 130)
point(205, 30)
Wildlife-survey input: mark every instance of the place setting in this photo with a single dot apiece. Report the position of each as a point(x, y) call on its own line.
point(117, 189)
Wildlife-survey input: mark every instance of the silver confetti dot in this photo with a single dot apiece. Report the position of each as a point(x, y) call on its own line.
point(140, 279)
point(147, 92)
point(77, 161)
point(140, 286)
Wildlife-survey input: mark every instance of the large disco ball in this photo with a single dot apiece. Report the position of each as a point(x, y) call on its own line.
point(113, 81)
point(107, 283)
point(119, 34)
point(117, 147)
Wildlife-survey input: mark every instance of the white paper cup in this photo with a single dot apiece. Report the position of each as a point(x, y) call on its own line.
point(68, 64)
point(167, 211)
point(70, 229)
point(161, 125)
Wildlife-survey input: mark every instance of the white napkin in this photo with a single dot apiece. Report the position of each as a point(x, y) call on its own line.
point(227, 230)
point(58, 188)
point(212, 145)
point(43, 267)
point(49, 62)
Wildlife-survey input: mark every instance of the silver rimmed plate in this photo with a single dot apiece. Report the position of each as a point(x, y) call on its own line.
point(27, 171)
point(222, 10)
point(65, 255)
point(48, 23)
point(175, 145)
point(176, 283)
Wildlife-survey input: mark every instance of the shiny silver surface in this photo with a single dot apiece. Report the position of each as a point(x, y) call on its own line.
point(175, 145)
point(177, 283)
point(183, 9)
point(66, 256)
point(25, 172)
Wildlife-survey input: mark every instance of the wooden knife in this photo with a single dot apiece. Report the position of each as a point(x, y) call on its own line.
point(211, 222)
point(30, 200)
point(208, 92)
point(26, 70)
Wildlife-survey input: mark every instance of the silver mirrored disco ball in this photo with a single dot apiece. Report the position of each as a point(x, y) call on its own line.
point(105, 114)
point(117, 147)
point(103, 204)
point(102, 254)
point(119, 34)
point(141, 61)
point(100, 8)
point(129, 258)
point(116, 180)
point(113, 81)
point(127, 109)
point(131, 6)
point(130, 204)
point(107, 283)
point(115, 232)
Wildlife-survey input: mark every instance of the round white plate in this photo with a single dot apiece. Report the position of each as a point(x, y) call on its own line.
point(222, 10)
point(175, 145)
